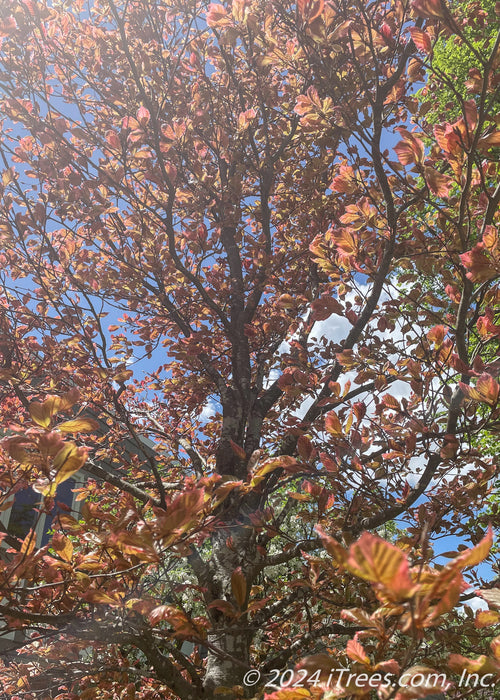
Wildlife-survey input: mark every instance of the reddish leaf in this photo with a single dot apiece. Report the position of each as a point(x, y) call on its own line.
point(143, 116)
point(486, 618)
point(217, 16)
point(438, 183)
point(68, 461)
point(305, 447)
point(492, 597)
point(78, 425)
point(421, 39)
point(382, 563)
point(486, 390)
point(410, 149)
point(239, 586)
point(355, 652)
point(324, 307)
point(333, 425)
point(62, 546)
point(238, 451)
point(429, 8)
point(474, 556)
point(309, 10)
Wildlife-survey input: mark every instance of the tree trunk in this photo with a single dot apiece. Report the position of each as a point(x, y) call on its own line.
point(229, 650)
point(224, 672)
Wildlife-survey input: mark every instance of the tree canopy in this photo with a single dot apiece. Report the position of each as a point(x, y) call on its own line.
point(250, 304)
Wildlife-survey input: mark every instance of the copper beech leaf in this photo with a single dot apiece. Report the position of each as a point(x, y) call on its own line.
point(284, 462)
point(78, 425)
point(486, 618)
point(429, 8)
point(356, 652)
point(421, 39)
point(238, 451)
point(68, 461)
point(239, 586)
point(288, 694)
point(482, 665)
point(491, 596)
point(43, 412)
point(421, 681)
point(100, 597)
point(310, 9)
point(181, 514)
point(475, 555)
point(62, 545)
point(214, 189)
point(331, 545)
point(486, 389)
point(373, 559)
point(333, 425)
point(29, 543)
point(183, 627)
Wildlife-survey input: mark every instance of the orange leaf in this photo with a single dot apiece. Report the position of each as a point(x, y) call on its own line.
point(410, 149)
point(355, 652)
point(100, 597)
point(288, 694)
point(471, 557)
point(43, 412)
point(429, 8)
point(421, 39)
point(309, 10)
point(495, 648)
point(391, 402)
point(246, 118)
point(486, 618)
point(449, 598)
point(491, 140)
point(333, 425)
point(284, 462)
point(78, 425)
point(238, 451)
point(143, 116)
point(436, 335)
point(123, 376)
point(480, 263)
point(486, 390)
point(68, 461)
point(217, 16)
point(137, 544)
point(161, 612)
point(62, 546)
point(239, 586)
point(29, 543)
point(482, 665)
point(332, 546)
point(438, 183)
point(375, 560)
point(181, 512)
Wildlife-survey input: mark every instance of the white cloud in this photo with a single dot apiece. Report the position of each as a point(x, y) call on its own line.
point(208, 410)
point(477, 603)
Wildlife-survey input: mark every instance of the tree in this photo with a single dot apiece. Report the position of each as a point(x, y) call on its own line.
point(197, 202)
point(454, 58)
